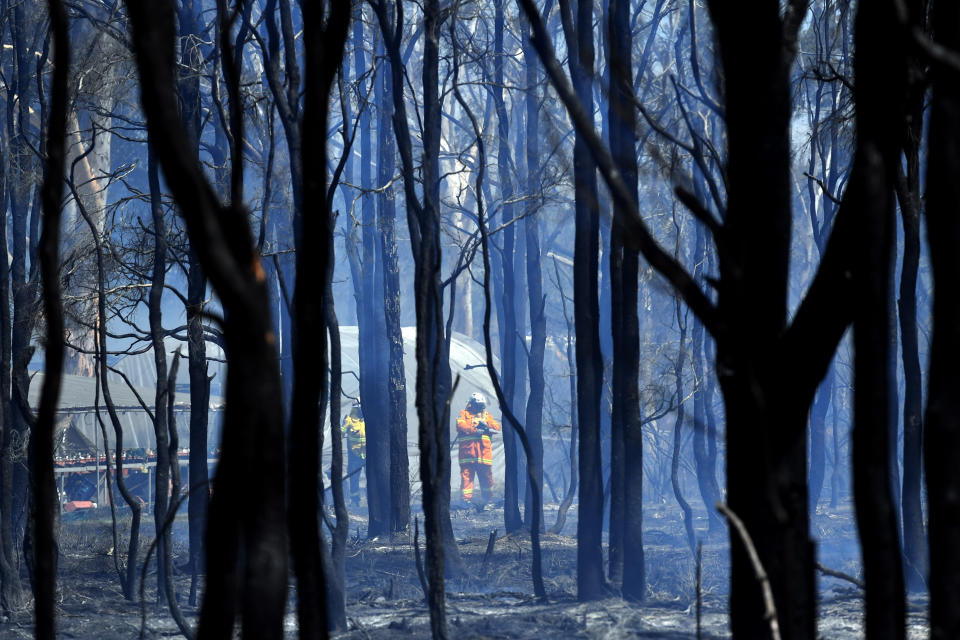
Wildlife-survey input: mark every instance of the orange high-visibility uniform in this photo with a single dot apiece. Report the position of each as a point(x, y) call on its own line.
point(476, 452)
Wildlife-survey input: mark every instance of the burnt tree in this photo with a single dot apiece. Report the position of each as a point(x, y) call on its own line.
point(44, 495)
point(246, 516)
point(942, 429)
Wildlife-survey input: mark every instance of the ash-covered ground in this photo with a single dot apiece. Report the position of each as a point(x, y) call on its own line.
point(384, 599)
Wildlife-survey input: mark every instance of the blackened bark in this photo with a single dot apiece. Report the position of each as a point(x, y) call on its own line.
point(626, 435)
point(590, 580)
point(45, 504)
point(423, 222)
point(909, 198)
point(942, 433)
point(536, 299)
point(508, 326)
point(617, 481)
point(23, 282)
point(370, 327)
point(880, 42)
point(173, 458)
point(160, 431)
point(438, 343)
point(911, 499)
point(188, 88)
point(247, 512)
point(336, 576)
point(199, 473)
point(10, 589)
point(396, 376)
point(770, 498)
point(678, 425)
point(323, 54)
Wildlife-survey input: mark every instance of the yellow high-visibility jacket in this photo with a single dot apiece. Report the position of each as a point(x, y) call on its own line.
point(356, 431)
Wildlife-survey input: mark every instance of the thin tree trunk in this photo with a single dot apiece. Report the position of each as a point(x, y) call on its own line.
point(188, 88)
point(508, 326)
point(626, 434)
point(160, 430)
point(396, 377)
point(878, 43)
point(590, 580)
point(336, 584)
point(11, 591)
point(432, 385)
point(909, 197)
point(373, 373)
point(45, 504)
point(323, 54)
point(535, 296)
point(942, 436)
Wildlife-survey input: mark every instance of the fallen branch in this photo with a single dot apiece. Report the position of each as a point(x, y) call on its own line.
point(771, 611)
point(840, 575)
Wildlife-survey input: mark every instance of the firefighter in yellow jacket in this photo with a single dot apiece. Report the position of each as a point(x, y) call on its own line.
point(475, 426)
point(355, 431)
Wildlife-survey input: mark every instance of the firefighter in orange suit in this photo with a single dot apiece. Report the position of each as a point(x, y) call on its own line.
point(475, 426)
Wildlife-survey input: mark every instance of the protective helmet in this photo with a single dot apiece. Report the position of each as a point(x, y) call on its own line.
point(478, 399)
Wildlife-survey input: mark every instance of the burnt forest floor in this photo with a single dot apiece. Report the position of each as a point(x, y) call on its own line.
point(384, 599)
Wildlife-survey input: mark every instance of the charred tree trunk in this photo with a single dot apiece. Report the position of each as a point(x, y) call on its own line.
point(11, 591)
point(433, 371)
point(396, 376)
point(188, 88)
point(323, 54)
point(45, 504)
point(762, 408)
point(247, 512)
point(24, 206)
point(626, 435)
point(881, 42)
point(909, 198)
point(434, 457)
point(535, 296)
point(336, 576)
point(942, 437)
point(160, 427)
point(678, 425)
point(590, 579)
point(370, 329)
point(508, 325)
